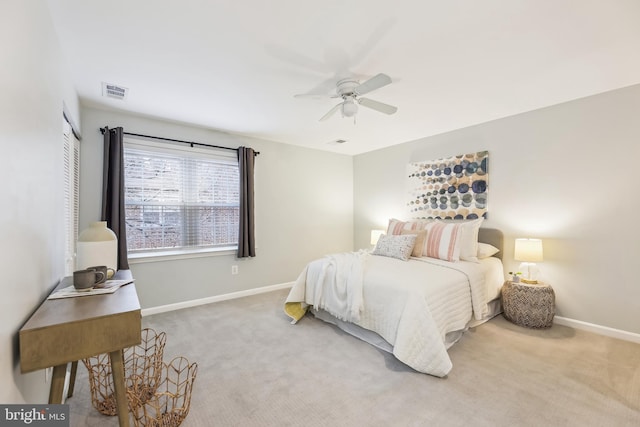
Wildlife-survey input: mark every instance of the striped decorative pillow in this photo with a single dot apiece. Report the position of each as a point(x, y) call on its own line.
point(396, 226)
point(443, 241)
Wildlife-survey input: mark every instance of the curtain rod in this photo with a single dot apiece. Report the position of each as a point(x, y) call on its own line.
point(191, 143)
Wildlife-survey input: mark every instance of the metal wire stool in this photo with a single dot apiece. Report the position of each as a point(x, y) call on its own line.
point(143, 367)
point(170, 403)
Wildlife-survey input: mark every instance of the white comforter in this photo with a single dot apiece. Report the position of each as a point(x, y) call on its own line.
point(411, 304)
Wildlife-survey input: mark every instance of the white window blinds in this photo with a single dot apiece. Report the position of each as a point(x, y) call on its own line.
point(179, 199)
point(71, 150)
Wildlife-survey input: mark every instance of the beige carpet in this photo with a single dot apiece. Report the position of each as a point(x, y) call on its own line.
point(256, 369)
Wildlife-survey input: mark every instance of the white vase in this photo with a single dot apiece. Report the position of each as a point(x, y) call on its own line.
point(97, 245)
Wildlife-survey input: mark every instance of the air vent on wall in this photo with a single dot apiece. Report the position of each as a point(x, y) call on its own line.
point(337, 141)
point(114, 91)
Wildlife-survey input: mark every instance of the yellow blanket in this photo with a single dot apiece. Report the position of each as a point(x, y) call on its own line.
point(295, 310)
point(295, 305)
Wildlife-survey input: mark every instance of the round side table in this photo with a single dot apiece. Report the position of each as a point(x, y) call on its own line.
point(529, 305)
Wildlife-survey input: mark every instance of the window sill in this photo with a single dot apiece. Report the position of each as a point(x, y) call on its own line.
point(139, 258)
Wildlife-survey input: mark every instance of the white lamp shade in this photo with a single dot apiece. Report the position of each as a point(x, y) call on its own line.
point(375, 235)
point(528, 250)
point(97, 245)
point(349, 108)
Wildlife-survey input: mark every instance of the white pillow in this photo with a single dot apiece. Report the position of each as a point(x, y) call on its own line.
point(395, 246)
point(443, 241)
point(469, 240)
point(486, 250)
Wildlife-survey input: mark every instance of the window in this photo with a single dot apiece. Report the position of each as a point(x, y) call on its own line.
point(71, 150)
point(179, 199)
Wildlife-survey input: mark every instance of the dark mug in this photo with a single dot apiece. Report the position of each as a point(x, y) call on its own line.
point(84, 280)
point(105, 271)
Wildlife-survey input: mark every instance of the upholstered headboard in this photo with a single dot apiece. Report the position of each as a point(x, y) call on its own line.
point(493, 237)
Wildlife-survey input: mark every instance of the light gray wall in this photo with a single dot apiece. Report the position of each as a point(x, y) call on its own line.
point(304, 209)
point(34, 86)
point(567, 174)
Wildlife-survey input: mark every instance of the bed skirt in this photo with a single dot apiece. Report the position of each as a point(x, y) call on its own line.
point(495, 308)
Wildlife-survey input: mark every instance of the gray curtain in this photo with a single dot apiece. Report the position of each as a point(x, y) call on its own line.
point(246, 235)
point(113, 190)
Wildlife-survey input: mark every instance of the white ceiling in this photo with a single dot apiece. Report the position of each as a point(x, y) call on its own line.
point(234, 65)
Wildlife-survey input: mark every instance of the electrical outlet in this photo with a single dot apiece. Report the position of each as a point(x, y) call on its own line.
point(234, 269)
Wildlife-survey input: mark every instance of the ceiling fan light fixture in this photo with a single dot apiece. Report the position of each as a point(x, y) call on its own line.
point(349, 108)
point(350, 90)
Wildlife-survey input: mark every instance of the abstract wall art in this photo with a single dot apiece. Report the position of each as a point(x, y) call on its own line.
point(451, 188)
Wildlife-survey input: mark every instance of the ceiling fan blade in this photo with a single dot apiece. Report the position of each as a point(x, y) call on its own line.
point(324, 89)
point(316, 96)
point(289, 56)
point(373, 83)
point(330, 112)
point(378, 106)
point(311, 96)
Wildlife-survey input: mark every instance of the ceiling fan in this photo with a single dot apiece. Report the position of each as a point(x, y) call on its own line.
point(350, 90)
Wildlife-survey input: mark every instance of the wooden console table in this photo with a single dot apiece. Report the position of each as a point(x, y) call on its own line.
point(69, 329)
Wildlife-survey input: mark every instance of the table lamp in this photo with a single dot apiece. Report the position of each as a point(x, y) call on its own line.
point(529, 251)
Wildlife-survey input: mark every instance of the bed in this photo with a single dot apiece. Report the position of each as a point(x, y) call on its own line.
point(414, 307)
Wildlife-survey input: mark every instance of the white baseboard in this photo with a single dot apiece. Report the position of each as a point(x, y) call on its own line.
point(597, 329)
point(564, 321)
point(216, 298)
